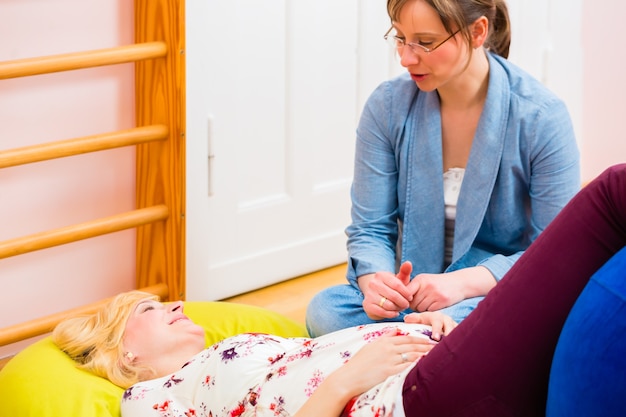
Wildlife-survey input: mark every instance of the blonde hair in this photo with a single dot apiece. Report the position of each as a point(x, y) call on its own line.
point(95, 341)
point(462, 13)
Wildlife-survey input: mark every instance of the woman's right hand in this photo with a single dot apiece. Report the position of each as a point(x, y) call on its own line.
point(385, 295)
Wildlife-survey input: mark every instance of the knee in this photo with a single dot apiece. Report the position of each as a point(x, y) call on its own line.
point(316, 309)
point(332, 309)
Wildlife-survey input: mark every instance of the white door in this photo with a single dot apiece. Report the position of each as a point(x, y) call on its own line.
point(274, 90)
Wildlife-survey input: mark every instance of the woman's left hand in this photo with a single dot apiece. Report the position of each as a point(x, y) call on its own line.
point(388, 355)
point(436, 291)
point(441, 323)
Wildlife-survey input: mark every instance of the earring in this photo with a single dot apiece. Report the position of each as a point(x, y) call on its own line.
point(129, 356)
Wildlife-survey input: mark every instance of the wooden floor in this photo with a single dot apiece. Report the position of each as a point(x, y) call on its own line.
point(291, 297)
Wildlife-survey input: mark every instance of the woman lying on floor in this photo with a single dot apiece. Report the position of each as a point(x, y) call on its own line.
point(497, 362)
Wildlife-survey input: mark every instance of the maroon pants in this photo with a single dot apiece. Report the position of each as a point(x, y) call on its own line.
point(497, 361)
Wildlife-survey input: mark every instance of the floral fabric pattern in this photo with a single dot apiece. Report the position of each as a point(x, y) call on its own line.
point(265, 376)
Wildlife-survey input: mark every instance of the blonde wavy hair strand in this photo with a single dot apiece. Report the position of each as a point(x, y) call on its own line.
point(95, 341)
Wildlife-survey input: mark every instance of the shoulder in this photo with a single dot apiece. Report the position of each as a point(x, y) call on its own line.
point(394, 94)
point(522, 86)
point(389, 106)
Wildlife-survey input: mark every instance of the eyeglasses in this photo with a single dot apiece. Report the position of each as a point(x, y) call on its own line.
point(400, 43)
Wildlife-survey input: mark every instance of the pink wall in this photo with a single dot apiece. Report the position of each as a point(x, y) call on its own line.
point(57, 193)
point(604, 87)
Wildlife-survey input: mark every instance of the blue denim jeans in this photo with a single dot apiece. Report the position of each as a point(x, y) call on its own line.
point(588, 376)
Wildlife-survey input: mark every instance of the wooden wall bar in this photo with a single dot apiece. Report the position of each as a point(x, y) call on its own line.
point(160, 99)
point(69, 147)
point(76, 232)
point(79, 60)
point(159, 217)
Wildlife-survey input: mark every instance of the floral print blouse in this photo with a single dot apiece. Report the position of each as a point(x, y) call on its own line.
point(263, 375)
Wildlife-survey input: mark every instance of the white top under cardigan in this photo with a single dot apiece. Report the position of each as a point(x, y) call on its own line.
point(452, 180)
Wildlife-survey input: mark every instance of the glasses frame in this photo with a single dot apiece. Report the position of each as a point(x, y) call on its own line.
point(401, 43)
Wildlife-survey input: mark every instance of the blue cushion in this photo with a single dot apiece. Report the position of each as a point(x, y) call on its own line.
point(588, 376)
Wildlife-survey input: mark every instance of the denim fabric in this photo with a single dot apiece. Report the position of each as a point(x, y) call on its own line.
point(588, 375)
point(523, 168)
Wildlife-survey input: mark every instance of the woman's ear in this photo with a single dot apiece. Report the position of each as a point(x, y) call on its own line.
point(479, 31)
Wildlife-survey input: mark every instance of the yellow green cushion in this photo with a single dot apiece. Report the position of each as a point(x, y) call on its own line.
point(42, 381)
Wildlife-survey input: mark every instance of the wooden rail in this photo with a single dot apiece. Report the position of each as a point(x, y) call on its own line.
point(56, 237)
point(69, 147)
point(79, 60)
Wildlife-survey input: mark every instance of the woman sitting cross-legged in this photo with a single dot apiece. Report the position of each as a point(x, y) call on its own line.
point(497, 362)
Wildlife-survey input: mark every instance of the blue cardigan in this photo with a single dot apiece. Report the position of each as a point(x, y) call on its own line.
point(522, 169)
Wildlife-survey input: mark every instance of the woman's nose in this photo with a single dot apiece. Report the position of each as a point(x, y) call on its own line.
point(408, 57)
point(177, 306)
